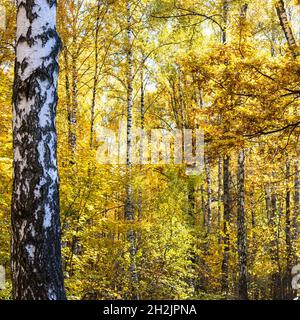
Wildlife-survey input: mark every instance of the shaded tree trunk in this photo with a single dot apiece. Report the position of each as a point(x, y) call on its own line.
point(242, 232)
point(209, 196)
point(226, 224)
point(203, 205)
point(288, 236)
point(68, 93)
point(226, 183)
point(274, 223)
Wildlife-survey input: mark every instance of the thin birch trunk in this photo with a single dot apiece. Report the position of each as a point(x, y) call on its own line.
point(209, 196)
point(226, 183)
point(286, 27)
point(219, 198)
point(96, 75)
point(242, 232)
point(129, 208)
point(226, 225)
point(288, 235)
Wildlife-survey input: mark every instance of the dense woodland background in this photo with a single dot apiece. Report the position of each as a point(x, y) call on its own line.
point(229, 66)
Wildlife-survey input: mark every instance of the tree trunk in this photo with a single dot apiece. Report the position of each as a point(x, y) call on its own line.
point(35, 247)
point(129, 208)
point(96, 75)
point(209, 195)
point(296, 202)
point(274, 244)
point(288, 237)
point(286, 27)
point(268, 204)
point(225, 20)
point(226, 183)
point(242, 232)
point(73, 113)
point(68, 93)
point(219, 198)
point(226, 223)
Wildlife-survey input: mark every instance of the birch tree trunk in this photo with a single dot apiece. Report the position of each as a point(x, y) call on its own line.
point(129, 208)
point(73, 113)
point(226, 182)
point(226, 224)
point(203, 206)
point(68, 93)
point(276, 276)
point(96, 75)
point(35, 246)
point(225, 20)
point(241, 215)
point(296, 202)
point(209, 195)
point(219, 198)
point(208, 179)
point(288, 236)
point(241, 225)
point(286, 27)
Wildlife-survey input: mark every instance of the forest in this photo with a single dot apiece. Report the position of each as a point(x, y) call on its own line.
point(149, 149)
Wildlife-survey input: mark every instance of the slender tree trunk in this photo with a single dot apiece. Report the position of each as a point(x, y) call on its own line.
point(219, 198)
point(142, 137)
point(253, 218)
point(226, 224)
point(252, 199)
point(182, 112)
point(203, 205)
point(274, 244)
point(225, 20)
point(226, 183)
point(96, 75)
point(286, 27)
point(209, 195)
point(268, 204)
point(288, 236)
point(73, 113)
point(208, 211)
point(68, 93)
point(129, 208)
point(206, 207)
point(35, 246)
point(296, 203)
point(142, 106)
point(242, 232)
point(181, 99)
